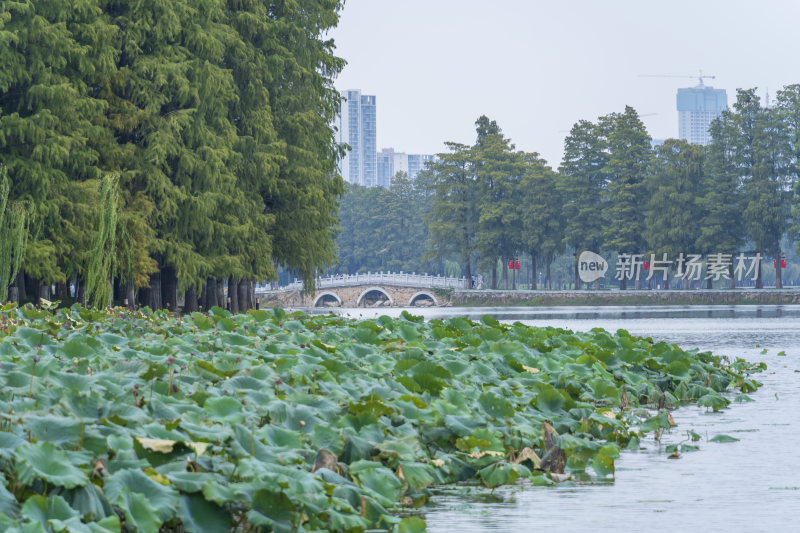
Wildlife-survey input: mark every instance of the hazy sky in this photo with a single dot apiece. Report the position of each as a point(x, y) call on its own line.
point(538, 67)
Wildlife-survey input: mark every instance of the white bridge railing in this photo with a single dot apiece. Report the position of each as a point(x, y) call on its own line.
point(403, 279)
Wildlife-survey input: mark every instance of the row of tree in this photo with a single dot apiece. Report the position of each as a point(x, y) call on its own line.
point(488, 203)
point(158, 148)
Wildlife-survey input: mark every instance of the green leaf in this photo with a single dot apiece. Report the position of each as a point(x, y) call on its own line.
point(200, 516)
point(417, 475)
point(43, 461)
point(502, 473)
point(723, 438)
point(138, 511)
point(162, 498)
point(224, 409)
point(42, 509)
point(273, 510)
point(411, 524)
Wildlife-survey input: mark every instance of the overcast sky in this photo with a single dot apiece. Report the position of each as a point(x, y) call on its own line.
point(537, 67)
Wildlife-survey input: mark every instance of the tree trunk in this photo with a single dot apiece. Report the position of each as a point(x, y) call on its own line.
point(494, 277)
point(638, 282)
point(129, 295)
point(505, 278)
point(44, 292)
point(709, 285)
point(577, 275)
point(190, 300)
point(233, 295)
point(62, 291)
point(80, 291)
point(21, 294)
point(244, 293)
point(549, 279)
point(533, 271)
point(467, 270)
point(169, 288)
point(732, 280)
point(151, 296)
point(778, 273)
point(221, 293)
point(623, 282)
point(759, 281)
point(32, 289)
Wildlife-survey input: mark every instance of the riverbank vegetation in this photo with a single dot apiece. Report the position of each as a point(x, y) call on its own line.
point(143, 421)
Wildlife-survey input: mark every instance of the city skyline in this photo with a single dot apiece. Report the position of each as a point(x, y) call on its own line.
point(539, 68)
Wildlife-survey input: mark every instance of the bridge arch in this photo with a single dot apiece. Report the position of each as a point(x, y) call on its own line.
point(376, 293)
point(422, 295)
point(325, 297)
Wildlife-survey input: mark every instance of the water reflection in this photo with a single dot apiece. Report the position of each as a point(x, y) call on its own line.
point(749, 485)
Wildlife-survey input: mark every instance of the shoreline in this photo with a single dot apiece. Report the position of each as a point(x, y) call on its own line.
point(499, 298)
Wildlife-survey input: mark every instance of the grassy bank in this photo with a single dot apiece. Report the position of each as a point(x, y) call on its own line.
point(121, 421)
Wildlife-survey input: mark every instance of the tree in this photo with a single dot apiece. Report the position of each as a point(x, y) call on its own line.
point(629, 156)
point(762, 151)
point(453, 219)
point(673, 191)
point(498, 172)
point(543, 214)
point(721, 226)
point(582, 184)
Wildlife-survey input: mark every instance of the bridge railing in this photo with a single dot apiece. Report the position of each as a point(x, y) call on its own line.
point(403, 279)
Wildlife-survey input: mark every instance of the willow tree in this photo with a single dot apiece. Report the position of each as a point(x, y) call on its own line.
point(13, 236)
point(98, 278)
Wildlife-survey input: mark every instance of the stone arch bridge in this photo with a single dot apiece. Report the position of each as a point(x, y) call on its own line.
point(381, 289)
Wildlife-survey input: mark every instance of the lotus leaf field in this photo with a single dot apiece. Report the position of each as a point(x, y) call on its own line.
point(138, 421)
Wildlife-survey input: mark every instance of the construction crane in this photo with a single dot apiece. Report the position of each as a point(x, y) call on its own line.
point(699, 77)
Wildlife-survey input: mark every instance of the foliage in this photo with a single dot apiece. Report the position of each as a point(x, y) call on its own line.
point(216, 422)
point(214, 117)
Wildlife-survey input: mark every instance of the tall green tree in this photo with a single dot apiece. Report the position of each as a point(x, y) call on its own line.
point(721, 201)
point(498, 172)
point(762, 155)
point(673, 191)
point(629, 156)
point(582, 183)
point(453, 219)
point(543, 217)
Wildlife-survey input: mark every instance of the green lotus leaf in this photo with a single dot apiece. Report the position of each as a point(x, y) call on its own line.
point(89, 501)
point(273, 510)
point(160, 497)
point(411, 524)
point(200, 516)
point(502, 473)
point(110, 524)
point(62, 431)
point(139, 513)
point(43, 510)
point(8, 503)
point(224, 409)
point(44, 461)
point(723, 438)
point(417, 475)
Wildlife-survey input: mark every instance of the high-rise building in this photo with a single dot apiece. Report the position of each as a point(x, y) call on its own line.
point(416, 162)
point(357, 126)
point(697, 107)
point(391, 162)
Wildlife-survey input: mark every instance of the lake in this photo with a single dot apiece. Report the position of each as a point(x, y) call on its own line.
point(749, 485)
